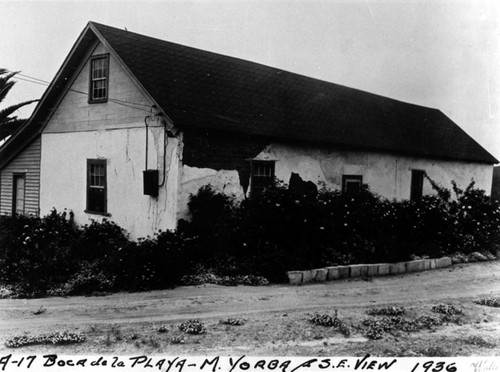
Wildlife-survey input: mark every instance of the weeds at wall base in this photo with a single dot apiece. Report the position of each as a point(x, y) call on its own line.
point(250, 242)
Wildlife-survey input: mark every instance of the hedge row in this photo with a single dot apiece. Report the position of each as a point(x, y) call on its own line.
point(278, 230)
point(288, 229)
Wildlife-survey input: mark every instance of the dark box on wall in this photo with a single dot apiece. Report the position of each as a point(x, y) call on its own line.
point(150, 178)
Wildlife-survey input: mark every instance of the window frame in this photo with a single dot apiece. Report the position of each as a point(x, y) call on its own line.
point(258, 188)
point(16, 176)
point(417, 192)
point(351, 177)
point(101, 162)
point(92, 59)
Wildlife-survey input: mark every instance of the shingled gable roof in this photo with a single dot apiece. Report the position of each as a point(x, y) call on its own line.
point(200, 89)
point(203, 90)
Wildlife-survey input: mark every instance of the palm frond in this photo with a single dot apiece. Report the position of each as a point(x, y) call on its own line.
point(9, 123)
point(9, 127)
point(6, 112)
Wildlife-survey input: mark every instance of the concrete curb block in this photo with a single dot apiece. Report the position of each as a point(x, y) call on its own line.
point(413, 266)
point(366, 270)
point(295, 277)
point(383, 269)
point(344, 272)
point(357, 270)
point(333, 273)
point(397, 268)
point(308, 276)
point(372, 270)
point(443, 262)
point(321, 275)
point(427, 264)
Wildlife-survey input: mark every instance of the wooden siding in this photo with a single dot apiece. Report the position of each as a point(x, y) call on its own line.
point(126, 106)
point(27, 162)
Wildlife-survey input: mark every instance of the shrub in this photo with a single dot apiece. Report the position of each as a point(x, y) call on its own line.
point(55, 338)
point(377, 328)
point(251, 242)
point(37, 251)
point(447, 309)
point(280, 229)
point(100, 240)
point(5, 291)
point(493, 301)
point(391, 311)
point(194, 327)
point(326, 320)
point(88, 280)
point(162, 329)
point(233, 321)
point(477, 220)
point(150, 263)
point(208, 276)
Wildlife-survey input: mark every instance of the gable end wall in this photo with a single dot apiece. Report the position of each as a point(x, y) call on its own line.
point(28, 162)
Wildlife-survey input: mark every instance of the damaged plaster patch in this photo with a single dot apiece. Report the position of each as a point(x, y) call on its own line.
point(223, 151)
point(193, 178)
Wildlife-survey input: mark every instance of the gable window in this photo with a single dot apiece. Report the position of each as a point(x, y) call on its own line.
point(417, 184)
point(99, 68)
point(96, 186)
point(351, 183)
point(18, 193)
point(262, 175)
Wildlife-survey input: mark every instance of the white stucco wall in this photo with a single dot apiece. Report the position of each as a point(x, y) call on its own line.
point(78, 131)
point(64, 182)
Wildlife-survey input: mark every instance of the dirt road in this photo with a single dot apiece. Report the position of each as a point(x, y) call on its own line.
point(275, 315)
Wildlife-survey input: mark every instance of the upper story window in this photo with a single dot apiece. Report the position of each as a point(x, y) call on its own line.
point(417, 184)
point(262, 175)
point(99, 75)
point(351, 183)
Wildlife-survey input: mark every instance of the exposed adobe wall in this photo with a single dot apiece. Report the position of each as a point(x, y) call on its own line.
point(386, 174)
point(222, 151)
point(219, 159)
point(223, 160)
point(27, 162)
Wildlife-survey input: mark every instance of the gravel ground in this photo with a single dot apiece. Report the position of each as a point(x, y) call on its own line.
point(276, 317)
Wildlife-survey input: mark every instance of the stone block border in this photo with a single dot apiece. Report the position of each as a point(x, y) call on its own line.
point(366, 270)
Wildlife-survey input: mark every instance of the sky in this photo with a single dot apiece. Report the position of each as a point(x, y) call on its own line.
point(442, 54)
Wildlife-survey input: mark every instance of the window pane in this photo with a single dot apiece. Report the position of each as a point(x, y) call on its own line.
point(99, 75)
point(417, 184)
point(96, 187)
point(262, 175)
point(96, 200)
point(352, 186)
point(351, 183)
point(99, 89)
point(96, 175)
point(19, 190)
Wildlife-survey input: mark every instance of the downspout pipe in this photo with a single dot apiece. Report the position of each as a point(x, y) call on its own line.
point(165, 144)
point(147, 130)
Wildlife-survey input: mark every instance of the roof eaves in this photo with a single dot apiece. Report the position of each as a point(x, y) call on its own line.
point(134, 78)
point(6, 153)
